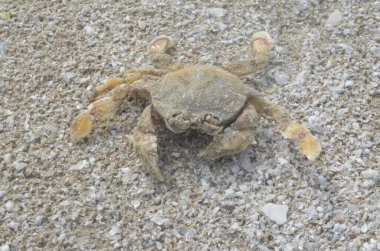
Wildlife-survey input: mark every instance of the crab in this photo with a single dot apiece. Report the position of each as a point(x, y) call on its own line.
point(206, 98)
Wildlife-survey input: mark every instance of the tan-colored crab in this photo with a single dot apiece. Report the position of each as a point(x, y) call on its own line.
point(210, 99)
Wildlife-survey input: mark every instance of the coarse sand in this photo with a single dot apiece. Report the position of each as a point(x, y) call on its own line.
point(95, 195)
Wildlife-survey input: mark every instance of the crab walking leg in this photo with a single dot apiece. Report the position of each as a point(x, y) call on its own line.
point(261, 44)
point(304, 139)
point(130, 77)
point(108, 86)
point(236, 138)
point(100, 110)
point(145, 143)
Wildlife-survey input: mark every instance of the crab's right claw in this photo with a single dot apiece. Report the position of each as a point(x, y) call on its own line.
point(81, 126)
point(306, 142)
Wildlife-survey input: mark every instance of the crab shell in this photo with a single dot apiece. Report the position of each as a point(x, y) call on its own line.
point(199, 97)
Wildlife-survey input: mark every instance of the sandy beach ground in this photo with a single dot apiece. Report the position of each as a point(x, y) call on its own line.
point(95, 195)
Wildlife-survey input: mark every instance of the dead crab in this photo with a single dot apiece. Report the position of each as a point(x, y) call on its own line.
point(200, 97)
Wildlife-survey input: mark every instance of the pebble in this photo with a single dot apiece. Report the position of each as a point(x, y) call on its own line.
point(235, 169)
point(157, 220)
point(175, 154)
point(217, 12)
point(9, 206)
point(3, 48)
point(277, 213)
point(94, 16)
point(311, 213)
point(334, 19)
point(115, 230)
point(84, 80)
point(122, 70)
point(135, 203)
point(348, 83)
point(300, 205)
point(80, 165)
point(127, 171)
point(142, 25)
point(14, 225)
point(245, 187)
point(19, 166)
point(222, 26)
point(234, 227)
point(370, 174)
point(7, 158)
point(282, 50)
point(89, 30)
point(357, 242)
point(67, 76)
point(339, 227)
point(86, 8)
point(115, 233)
point(281, 77)
point(38, 220)
point(282, 161)
point(340, 217)
point(205, 184)
point(5, 248)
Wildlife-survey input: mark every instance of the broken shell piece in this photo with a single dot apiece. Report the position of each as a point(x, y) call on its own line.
point(161, 44)
point(261, 42)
